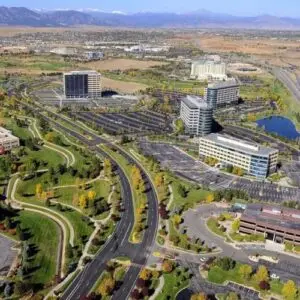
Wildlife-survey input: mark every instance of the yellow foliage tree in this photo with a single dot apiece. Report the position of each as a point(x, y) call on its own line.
point(210, 198)
point(107, 168)
point(145, 274)
point(289, 290)
point(38, 190)
point(200, 296)
point(262, 274)
point(82, 201)
point(49, 137)
point(106, 286)
point(91, 195)
point(245, 271)
point(159, 180)
point(167, 266)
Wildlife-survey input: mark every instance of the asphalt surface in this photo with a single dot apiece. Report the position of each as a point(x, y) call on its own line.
point(118, 244)
point(193, 170)
point(7, 255)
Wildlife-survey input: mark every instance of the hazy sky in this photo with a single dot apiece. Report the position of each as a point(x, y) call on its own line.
point(236, 7)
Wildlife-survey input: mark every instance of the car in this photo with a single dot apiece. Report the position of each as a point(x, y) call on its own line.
point(274, 276)
point(203, 259)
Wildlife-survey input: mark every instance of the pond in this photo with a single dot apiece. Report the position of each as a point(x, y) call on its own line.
point(280, 125)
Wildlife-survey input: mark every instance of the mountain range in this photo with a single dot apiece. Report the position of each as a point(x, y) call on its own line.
point(198, 19)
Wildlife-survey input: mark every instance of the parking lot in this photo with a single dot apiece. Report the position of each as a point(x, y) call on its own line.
point(189, 168)
point(7, 255)
point(127, 123)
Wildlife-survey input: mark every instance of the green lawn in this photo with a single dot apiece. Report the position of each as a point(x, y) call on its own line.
point(212, 224)
point(174, 283)
point(193, 197)
point(45, 236)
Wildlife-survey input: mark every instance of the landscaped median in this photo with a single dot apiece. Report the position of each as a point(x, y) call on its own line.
point(137, 184)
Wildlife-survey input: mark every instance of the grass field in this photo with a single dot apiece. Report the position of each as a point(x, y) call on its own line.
point(174, 283)
point(193, 197)
point(44, 235)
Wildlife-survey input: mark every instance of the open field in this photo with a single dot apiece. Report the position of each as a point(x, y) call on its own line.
point(122, 64)
point(121, 86)
point(275, 51)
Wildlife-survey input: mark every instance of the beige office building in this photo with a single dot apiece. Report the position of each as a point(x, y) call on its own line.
point(7, 140)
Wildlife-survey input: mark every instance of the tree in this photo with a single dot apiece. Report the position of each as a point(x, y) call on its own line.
point(38, 190)
point(91, 195)
point(226, 263)
point(82, 201)
point(106, 286)
point(262, 274)
point(235, 225)
point(289, 290)
point(145, 274)
point(159, 179)
point(210, 198)
point(200, 296)
point(181, 189)
point(179, 125)
point(49, 137)
point(245, 271)
point(264, 285)
point(167, 266)
point(177, 220)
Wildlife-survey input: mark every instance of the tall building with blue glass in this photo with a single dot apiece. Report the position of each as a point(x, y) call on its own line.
point(254, 159)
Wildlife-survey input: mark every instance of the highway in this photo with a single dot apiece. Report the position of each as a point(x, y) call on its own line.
point(118, 244)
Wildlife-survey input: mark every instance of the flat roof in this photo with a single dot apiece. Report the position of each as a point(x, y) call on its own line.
point(228, 141)
point(274, 215)
point(6, 135)
point(207, 62)
point(223, 84)
point(195, 102)
point(81, 72)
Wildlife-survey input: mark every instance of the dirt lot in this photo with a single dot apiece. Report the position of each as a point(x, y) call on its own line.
point(122, 86)
point(122, 64)
point(275, 51)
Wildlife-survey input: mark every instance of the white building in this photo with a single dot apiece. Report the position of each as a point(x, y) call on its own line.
point(196, 115)
point(222, 93)
point(93, 55)
point(254, 159)
point(208, 70)
point(7, 140)
point(82, 84)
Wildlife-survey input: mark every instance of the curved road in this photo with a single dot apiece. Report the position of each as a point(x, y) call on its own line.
point(118, 244)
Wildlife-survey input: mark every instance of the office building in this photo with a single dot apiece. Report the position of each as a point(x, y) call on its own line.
point(277, 224)
point(82, 84)
point(7, 141)
point(254, 159)
point(222, 93)
point(196, 115)
point(208, 70)
point(93, 55)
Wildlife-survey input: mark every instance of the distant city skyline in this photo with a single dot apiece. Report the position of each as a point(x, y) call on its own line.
point(234, 7)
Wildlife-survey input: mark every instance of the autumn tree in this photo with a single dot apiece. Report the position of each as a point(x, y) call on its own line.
point(82, 201)
point(106, 286)
point(245, 271)
point(200, 296)
point(137, 180)
point(210, 198)
point(91, 195)
point(167, 266)
point(159, 179)
point(262, 274)
point(176, 220)
point(145, 274)
point(289, 290)
point(38, 190)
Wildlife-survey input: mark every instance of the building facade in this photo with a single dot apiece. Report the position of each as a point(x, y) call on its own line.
point(7, 141)
point(208, 70)
point(254, 159)
point(82, 84)
point(196, 115)
point(222, 93)
point(277, 224)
